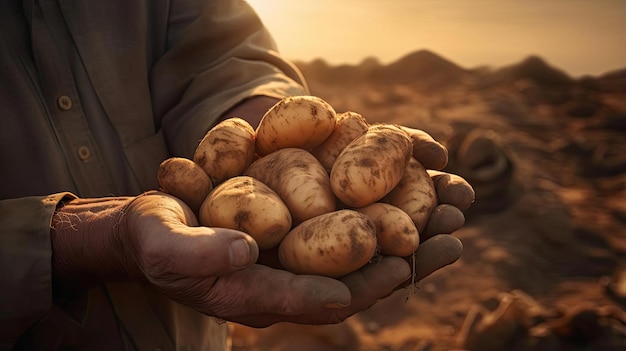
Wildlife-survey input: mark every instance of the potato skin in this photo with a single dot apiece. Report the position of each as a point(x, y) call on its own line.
point(415, 194)
point(349, 126)
point(184, 179)
point(295, 122)
point(226, 150)
point(333, 244)
point(371, 165)
point(246, 204)
point(396, 233)
point(299, 179)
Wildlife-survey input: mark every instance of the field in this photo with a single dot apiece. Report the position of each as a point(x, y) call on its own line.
point(544, 264)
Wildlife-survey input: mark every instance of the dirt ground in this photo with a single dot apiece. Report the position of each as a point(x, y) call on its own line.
point(544, 264)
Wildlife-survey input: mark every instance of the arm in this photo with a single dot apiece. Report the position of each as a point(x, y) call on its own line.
point(218, 55)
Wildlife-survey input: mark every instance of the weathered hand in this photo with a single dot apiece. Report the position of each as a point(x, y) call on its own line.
point(454, 195)
point(154, 239)
point(197, 266)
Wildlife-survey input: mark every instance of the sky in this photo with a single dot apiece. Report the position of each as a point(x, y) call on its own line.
point(581, 37)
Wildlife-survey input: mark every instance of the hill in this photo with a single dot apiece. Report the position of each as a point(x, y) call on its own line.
point(534, 69)
point(422, 68)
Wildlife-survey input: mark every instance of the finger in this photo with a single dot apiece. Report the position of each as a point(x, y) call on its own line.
point(452, 189)
point(436, 253)
point(427, 150)
point(260, 296)
point(374, 282)
point(366, 286)
point(444, 219)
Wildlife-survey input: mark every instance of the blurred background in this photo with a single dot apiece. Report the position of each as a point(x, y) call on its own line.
point(530, 99)
point(579, 36)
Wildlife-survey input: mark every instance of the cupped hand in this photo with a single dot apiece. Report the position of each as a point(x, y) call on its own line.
point(212, 270)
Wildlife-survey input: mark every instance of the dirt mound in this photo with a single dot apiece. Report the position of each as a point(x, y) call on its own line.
point(534, 69)
point(422, 68)
point(614, 81)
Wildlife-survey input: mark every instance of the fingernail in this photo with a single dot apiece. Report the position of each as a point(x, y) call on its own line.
point(239, 252)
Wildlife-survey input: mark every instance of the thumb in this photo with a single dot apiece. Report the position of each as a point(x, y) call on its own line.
point(206, 252)
point(169, 244)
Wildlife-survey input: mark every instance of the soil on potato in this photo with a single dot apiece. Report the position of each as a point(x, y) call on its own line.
point(544, 264)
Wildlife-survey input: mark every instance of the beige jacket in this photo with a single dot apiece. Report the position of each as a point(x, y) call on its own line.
point(93, 96)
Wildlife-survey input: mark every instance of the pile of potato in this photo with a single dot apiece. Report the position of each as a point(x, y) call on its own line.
point(330, 191)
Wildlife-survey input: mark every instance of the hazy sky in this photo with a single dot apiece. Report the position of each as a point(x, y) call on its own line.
point(578, 36)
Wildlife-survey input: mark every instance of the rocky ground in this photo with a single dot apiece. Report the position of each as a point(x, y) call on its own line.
point(544, 263)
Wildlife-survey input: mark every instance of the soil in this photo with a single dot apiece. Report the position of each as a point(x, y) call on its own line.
point(544, 264)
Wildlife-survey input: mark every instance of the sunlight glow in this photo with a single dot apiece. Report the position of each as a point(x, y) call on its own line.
point(581, 37)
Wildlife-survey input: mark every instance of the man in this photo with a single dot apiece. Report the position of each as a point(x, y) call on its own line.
point(95, 94)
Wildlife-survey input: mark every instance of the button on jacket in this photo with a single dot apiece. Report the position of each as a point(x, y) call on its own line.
point(93, 96)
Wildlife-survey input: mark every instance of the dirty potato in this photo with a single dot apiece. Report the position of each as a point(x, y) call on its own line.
point(299, 179)
point(371, 165)
point(415, 194)
point(184, 179)
point(295, 122)
point(332, 244)
point(396, 233)
point(226, 150)
point(349, 126)
point(246, 204)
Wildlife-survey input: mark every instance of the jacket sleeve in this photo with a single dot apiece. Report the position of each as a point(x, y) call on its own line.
point(218, 53)
point(25, 263)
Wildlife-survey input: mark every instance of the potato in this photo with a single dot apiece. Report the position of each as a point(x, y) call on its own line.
point(295, 122)
point(333, 244)
point(415, 194)
point(371, 165)
point(396, 233)
point(349, 126)
point(430, 153)
point(184, 179)
point(226, 150)
point(299, 179)
point(246, 204)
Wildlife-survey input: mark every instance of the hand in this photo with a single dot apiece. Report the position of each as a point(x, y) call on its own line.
point(154, 239)
point(454, 195)
point(192, 266)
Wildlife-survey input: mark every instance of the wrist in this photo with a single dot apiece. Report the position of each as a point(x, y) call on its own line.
point(251, 109)
point(89, 244)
